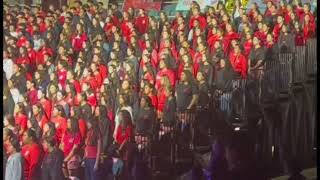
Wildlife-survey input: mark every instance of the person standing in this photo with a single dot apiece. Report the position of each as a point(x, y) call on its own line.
point(14, 166)
point(32, 152)
point(51, 168)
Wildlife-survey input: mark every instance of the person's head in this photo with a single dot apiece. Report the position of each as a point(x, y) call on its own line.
point(269, 38)
point(37, 109)
point(82, 97)
point(9, 120)
point(29, 84)
point(123, 99)
point(13, 146)
point(125, 85)
point(237, 49)
point(306, 18)
point(58, 111)
point(255, 41)
point(29, 136)
point(60, 95)
point(21, 108)
point(125, 118)
point(73, 125)
point(53, 89)
point(186, 76)
point(284, 29)
point(49, 128)
point(200, 76)
point(279, 19)
point(148, 87)
point(7, 134)
point(49, 143)
point(145, 102)
point(306, 8)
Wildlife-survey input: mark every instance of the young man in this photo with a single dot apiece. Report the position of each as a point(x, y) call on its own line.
point(14, 166)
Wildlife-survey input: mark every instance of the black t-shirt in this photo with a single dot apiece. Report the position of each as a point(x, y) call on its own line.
point(257, 55)
point(203, 94)
point(184, 95)
point(207, 71)
point(169, 111)
point(145, 120)
point(52, 165)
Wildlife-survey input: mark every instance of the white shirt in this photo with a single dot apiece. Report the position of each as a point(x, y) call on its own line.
point(8, 68)
point(15, 95)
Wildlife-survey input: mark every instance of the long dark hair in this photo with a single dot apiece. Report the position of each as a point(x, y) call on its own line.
point(94, 132)
point(61, 110)
point(74, 125)
point(126, 119)
point(52, 130)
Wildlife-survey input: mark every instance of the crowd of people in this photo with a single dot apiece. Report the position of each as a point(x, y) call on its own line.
point(79, 82)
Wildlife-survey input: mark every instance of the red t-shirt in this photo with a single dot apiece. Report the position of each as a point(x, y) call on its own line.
point(161, 99)
point(142, 24)
point(83, 128)
point(165, 72)
point(61, 126)
point(21, 120)
point(239, 64)
point(32, 97)
point(46, 105)
point(123, 136)
point(69, 140)
point(32, 160)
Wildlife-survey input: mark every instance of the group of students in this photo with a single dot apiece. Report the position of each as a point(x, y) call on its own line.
point(79, 81)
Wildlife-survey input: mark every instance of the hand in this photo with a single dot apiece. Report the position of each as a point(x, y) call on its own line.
point(96, 166)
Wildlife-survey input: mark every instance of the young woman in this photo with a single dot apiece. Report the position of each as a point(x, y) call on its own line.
point(21, 119)
point(123, 105)
point(105, 127)
point(186, 92)
point(9, 122)
point(93, 145)
point(39, 115)
point(70, 144)
point(58, 118)
point(146, 117)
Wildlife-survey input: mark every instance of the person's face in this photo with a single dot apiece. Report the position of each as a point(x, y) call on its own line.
point(55, 112)
point(84, 87)
point(143, 103)
point(147, 89)
point(265, 28)
point(35, 110)
point(284, 29)
point(279, 19)
point(10, 148)
point(28, 85)
point(306, 8)
point(53, 89)
point(199, 76)
point(25, 138)
point(97, 111)
point(183, 76)
point(269, 38)
point(121, 100)
point(162, 64)
point(125, 85)
point(255, 41)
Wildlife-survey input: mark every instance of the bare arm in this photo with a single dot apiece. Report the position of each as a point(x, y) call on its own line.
point(193, 101)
